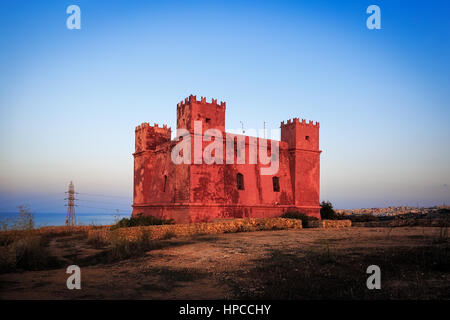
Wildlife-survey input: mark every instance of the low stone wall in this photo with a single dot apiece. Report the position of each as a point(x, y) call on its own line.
point(329, 224)
point(175, 230)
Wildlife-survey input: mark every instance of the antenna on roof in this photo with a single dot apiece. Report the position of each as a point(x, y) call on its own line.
point(242, 125)
point(264, 129)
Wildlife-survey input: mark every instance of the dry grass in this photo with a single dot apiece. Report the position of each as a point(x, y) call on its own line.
point(397, 222)
point(48, 232)
point(324, 272)
point(27, 249)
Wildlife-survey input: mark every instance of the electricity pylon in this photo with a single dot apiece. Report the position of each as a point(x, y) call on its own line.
point(70, 218)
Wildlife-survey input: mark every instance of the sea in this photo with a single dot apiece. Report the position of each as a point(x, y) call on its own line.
point(59, 219)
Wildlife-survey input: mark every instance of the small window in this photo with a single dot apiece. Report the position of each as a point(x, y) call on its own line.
point(276, 184)
point(240, 181)
point(165, 183)
point(208, 120)
point(307, 138)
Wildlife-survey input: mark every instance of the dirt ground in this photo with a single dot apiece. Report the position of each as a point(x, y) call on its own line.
point(287, 264)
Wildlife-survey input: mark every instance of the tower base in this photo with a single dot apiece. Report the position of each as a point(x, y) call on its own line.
point(191, 213)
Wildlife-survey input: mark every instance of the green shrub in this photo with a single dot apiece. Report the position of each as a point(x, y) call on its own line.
point(300, 216)
point(327, 212)
point(141, 220)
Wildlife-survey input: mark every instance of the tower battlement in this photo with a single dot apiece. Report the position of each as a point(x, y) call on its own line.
point(301, 134)
point(145, 126)
point(148, 137)
point(303, 122)
point(211, 114)
point(193, 99)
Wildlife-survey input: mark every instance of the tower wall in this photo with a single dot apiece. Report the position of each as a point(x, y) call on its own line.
point(153, 172)
point(304, 154)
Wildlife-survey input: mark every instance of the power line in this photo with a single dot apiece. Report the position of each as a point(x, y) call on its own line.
point(84, 200)
point(70, 218)
point(108, 209)
point(102, 195)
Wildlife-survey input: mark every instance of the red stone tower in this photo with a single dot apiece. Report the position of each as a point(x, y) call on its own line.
point(304, 158)
point(212, 115)
point(201, 191)
point(206, 182)
point(148, 143)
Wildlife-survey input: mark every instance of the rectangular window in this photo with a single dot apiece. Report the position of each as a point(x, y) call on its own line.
point(276, 184)
point(240, 181)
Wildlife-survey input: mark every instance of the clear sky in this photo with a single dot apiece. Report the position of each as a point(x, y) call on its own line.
point(70, 99)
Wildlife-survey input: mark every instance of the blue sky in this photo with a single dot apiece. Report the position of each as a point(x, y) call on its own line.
point(70, 99)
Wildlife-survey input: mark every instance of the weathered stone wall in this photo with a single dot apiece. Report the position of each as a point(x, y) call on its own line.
point(330, 224)
point(165, 231)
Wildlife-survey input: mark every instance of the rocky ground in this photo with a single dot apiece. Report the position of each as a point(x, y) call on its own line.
point(286, 264)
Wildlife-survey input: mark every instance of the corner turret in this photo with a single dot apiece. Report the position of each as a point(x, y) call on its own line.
point(147, 137)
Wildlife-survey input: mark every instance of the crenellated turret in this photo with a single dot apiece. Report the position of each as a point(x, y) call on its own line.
point(147, 137)
point(301, 134)
point(193, 99)
point(212, 115)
